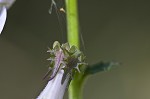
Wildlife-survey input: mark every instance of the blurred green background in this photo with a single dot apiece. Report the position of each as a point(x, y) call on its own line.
point(117, 30)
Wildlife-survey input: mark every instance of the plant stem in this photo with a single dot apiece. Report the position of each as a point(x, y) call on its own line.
point(72, 22)
point(75, 88)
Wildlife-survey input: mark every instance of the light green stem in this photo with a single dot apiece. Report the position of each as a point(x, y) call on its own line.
point(72, 22)
point(75, 88)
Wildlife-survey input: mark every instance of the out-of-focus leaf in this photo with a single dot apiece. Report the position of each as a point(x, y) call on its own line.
point(99, 67)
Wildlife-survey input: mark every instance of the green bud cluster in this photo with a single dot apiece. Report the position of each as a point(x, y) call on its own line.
point(67, 58)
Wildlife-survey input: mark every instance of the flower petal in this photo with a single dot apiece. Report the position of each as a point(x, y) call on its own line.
point(3, 14)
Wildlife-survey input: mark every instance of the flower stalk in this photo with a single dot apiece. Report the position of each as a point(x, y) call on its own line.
point(75, 88)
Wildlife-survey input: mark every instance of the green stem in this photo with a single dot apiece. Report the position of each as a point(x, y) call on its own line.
point(72, 22)
point(75, 88)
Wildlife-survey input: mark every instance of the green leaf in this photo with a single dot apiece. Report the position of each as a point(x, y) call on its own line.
point(99, 67)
